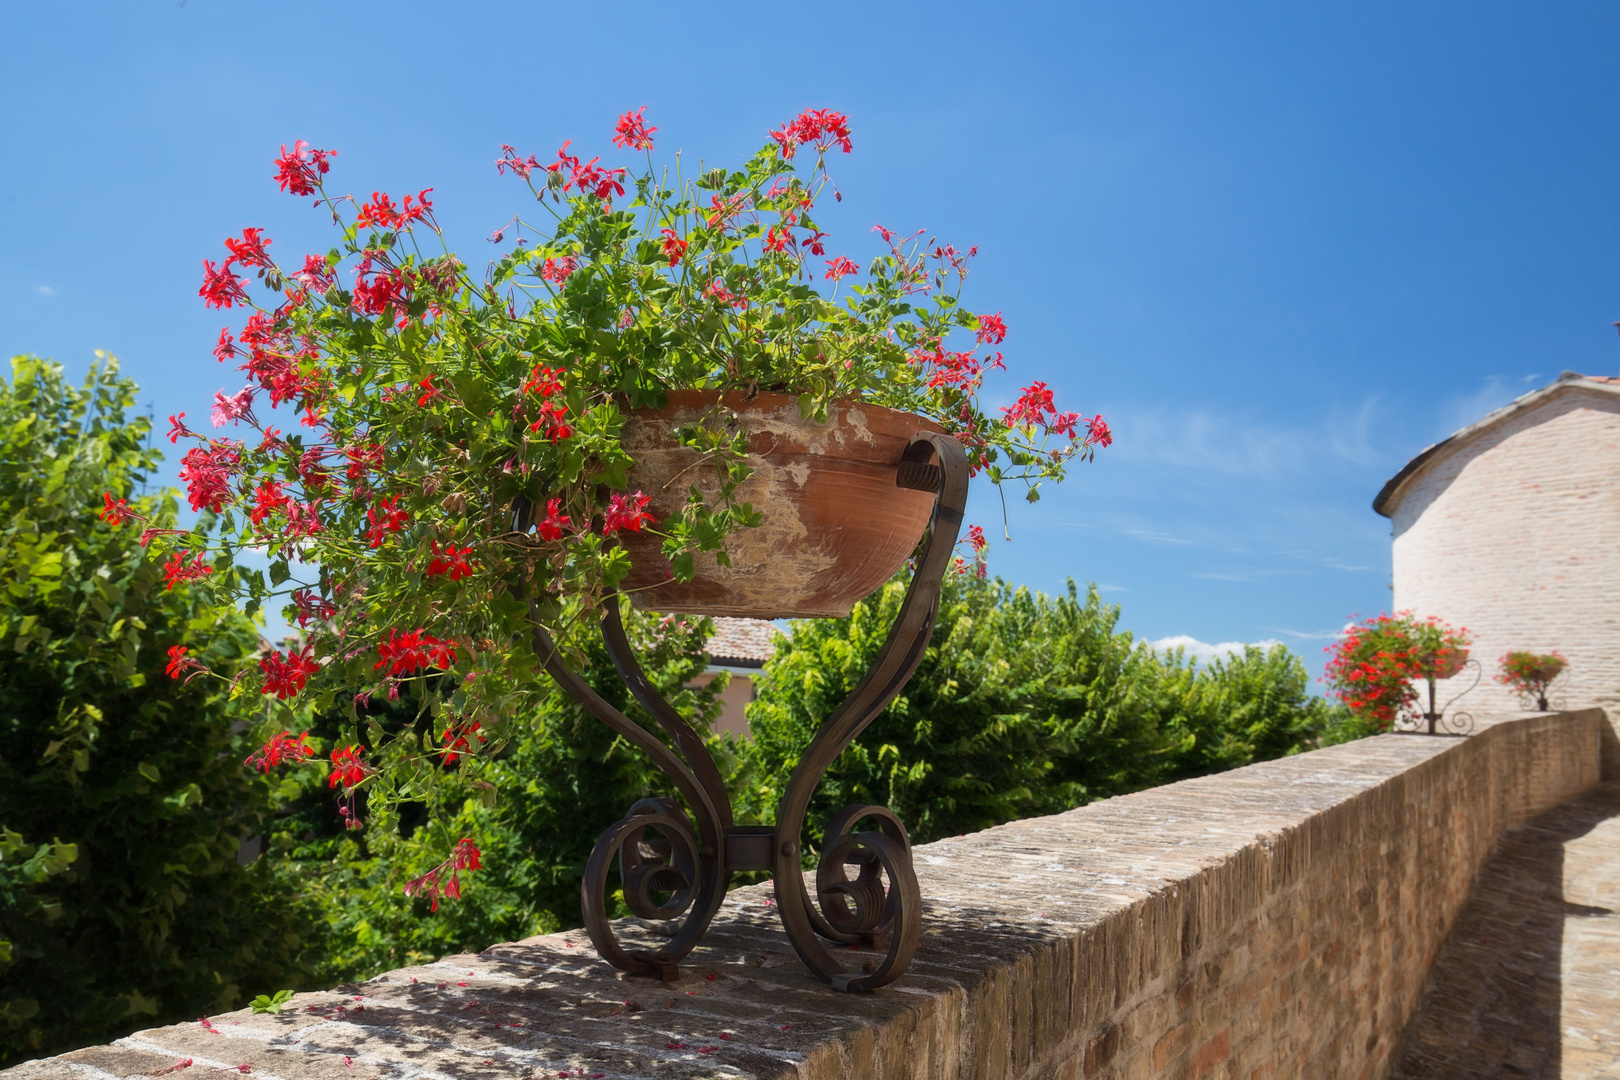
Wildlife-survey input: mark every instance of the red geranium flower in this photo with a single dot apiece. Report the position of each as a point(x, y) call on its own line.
point(626, 512)
point(221, 287)
point(285, 676)
point(633, 131)
point(299, 171)
point(673, 247)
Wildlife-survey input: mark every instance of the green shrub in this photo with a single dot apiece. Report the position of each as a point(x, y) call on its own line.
point(122, 793)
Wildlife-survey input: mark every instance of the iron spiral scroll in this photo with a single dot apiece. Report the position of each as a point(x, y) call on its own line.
point(1442, 719)
point(676, 856)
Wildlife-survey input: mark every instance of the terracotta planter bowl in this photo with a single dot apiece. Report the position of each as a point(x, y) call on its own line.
point(835, 524)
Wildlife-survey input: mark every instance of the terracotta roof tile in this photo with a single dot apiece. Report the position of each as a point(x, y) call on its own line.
point(745, 642)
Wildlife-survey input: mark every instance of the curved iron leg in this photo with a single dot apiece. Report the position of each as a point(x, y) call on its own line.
point(897, 661)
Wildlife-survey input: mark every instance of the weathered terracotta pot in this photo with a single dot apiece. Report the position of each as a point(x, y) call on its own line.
point(835, 524)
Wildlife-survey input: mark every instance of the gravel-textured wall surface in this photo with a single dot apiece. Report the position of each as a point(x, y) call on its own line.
point(1275, 921)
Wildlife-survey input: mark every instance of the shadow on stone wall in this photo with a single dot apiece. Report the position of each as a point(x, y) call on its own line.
point(1492, 1002)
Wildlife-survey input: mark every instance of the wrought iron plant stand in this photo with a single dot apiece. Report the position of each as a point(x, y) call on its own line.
point(675, 862)
point(1442, 720)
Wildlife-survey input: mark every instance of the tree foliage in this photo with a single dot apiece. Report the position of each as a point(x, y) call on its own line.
point(122, 794)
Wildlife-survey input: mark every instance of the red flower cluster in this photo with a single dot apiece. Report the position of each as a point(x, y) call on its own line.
point(381, 213)
point(285, 676)
point(1530, 674)
point(633, 132)
point(450, 560)
point(841, 267)
point(557, 271)
point(117, 511)
point(311, 606)
point(455, 739)
point(282, 749)
point(221, 286)
point(248, 251)
point(721, 295)
point(268, 498)
point(546, 384)
point(443, 880)
point(347, 768)
point(405, 653)
point(962, 370)
point(822, 127)
point(1371, 668)
point(992, 330)
point(300, 171)
point(626, 512)
point(589, 177)
point(377, 290)
point(673, 247)
point(180, 663)
point(385, 518)
point(555, 522)
point(178, 569)
point(207, 470)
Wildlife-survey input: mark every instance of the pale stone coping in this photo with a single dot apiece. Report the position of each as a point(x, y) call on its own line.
point(1122, 938)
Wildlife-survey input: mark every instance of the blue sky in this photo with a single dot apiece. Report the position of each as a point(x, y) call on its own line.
point(1280, 247)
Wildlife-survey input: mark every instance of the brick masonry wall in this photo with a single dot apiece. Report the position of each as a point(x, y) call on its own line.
point(1268, 923)
point(1515, 534)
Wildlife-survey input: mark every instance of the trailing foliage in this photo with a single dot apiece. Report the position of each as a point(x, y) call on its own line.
point(123, 800)
point(1024, 704)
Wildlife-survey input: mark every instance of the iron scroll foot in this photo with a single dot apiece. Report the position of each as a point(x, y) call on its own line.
point(675, 861)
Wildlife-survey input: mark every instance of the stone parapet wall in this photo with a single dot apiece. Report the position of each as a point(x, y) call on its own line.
point(1271, 922)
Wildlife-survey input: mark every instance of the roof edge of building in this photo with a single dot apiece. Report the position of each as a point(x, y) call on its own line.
point(1569, 380)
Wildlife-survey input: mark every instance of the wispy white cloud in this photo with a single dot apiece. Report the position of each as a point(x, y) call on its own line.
point(45, 290)
point(1206, 441)
point(1203, 651)
point(1305, 635)
point(1250, 574)
point(1112, 588)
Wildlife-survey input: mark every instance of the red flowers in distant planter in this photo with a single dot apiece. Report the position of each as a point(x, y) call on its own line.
point(1372, 667)
point(1530, 674)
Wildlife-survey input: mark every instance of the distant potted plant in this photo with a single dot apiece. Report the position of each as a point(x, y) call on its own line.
point(1530, 674)
point(1375, 665)
point(668, 387)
